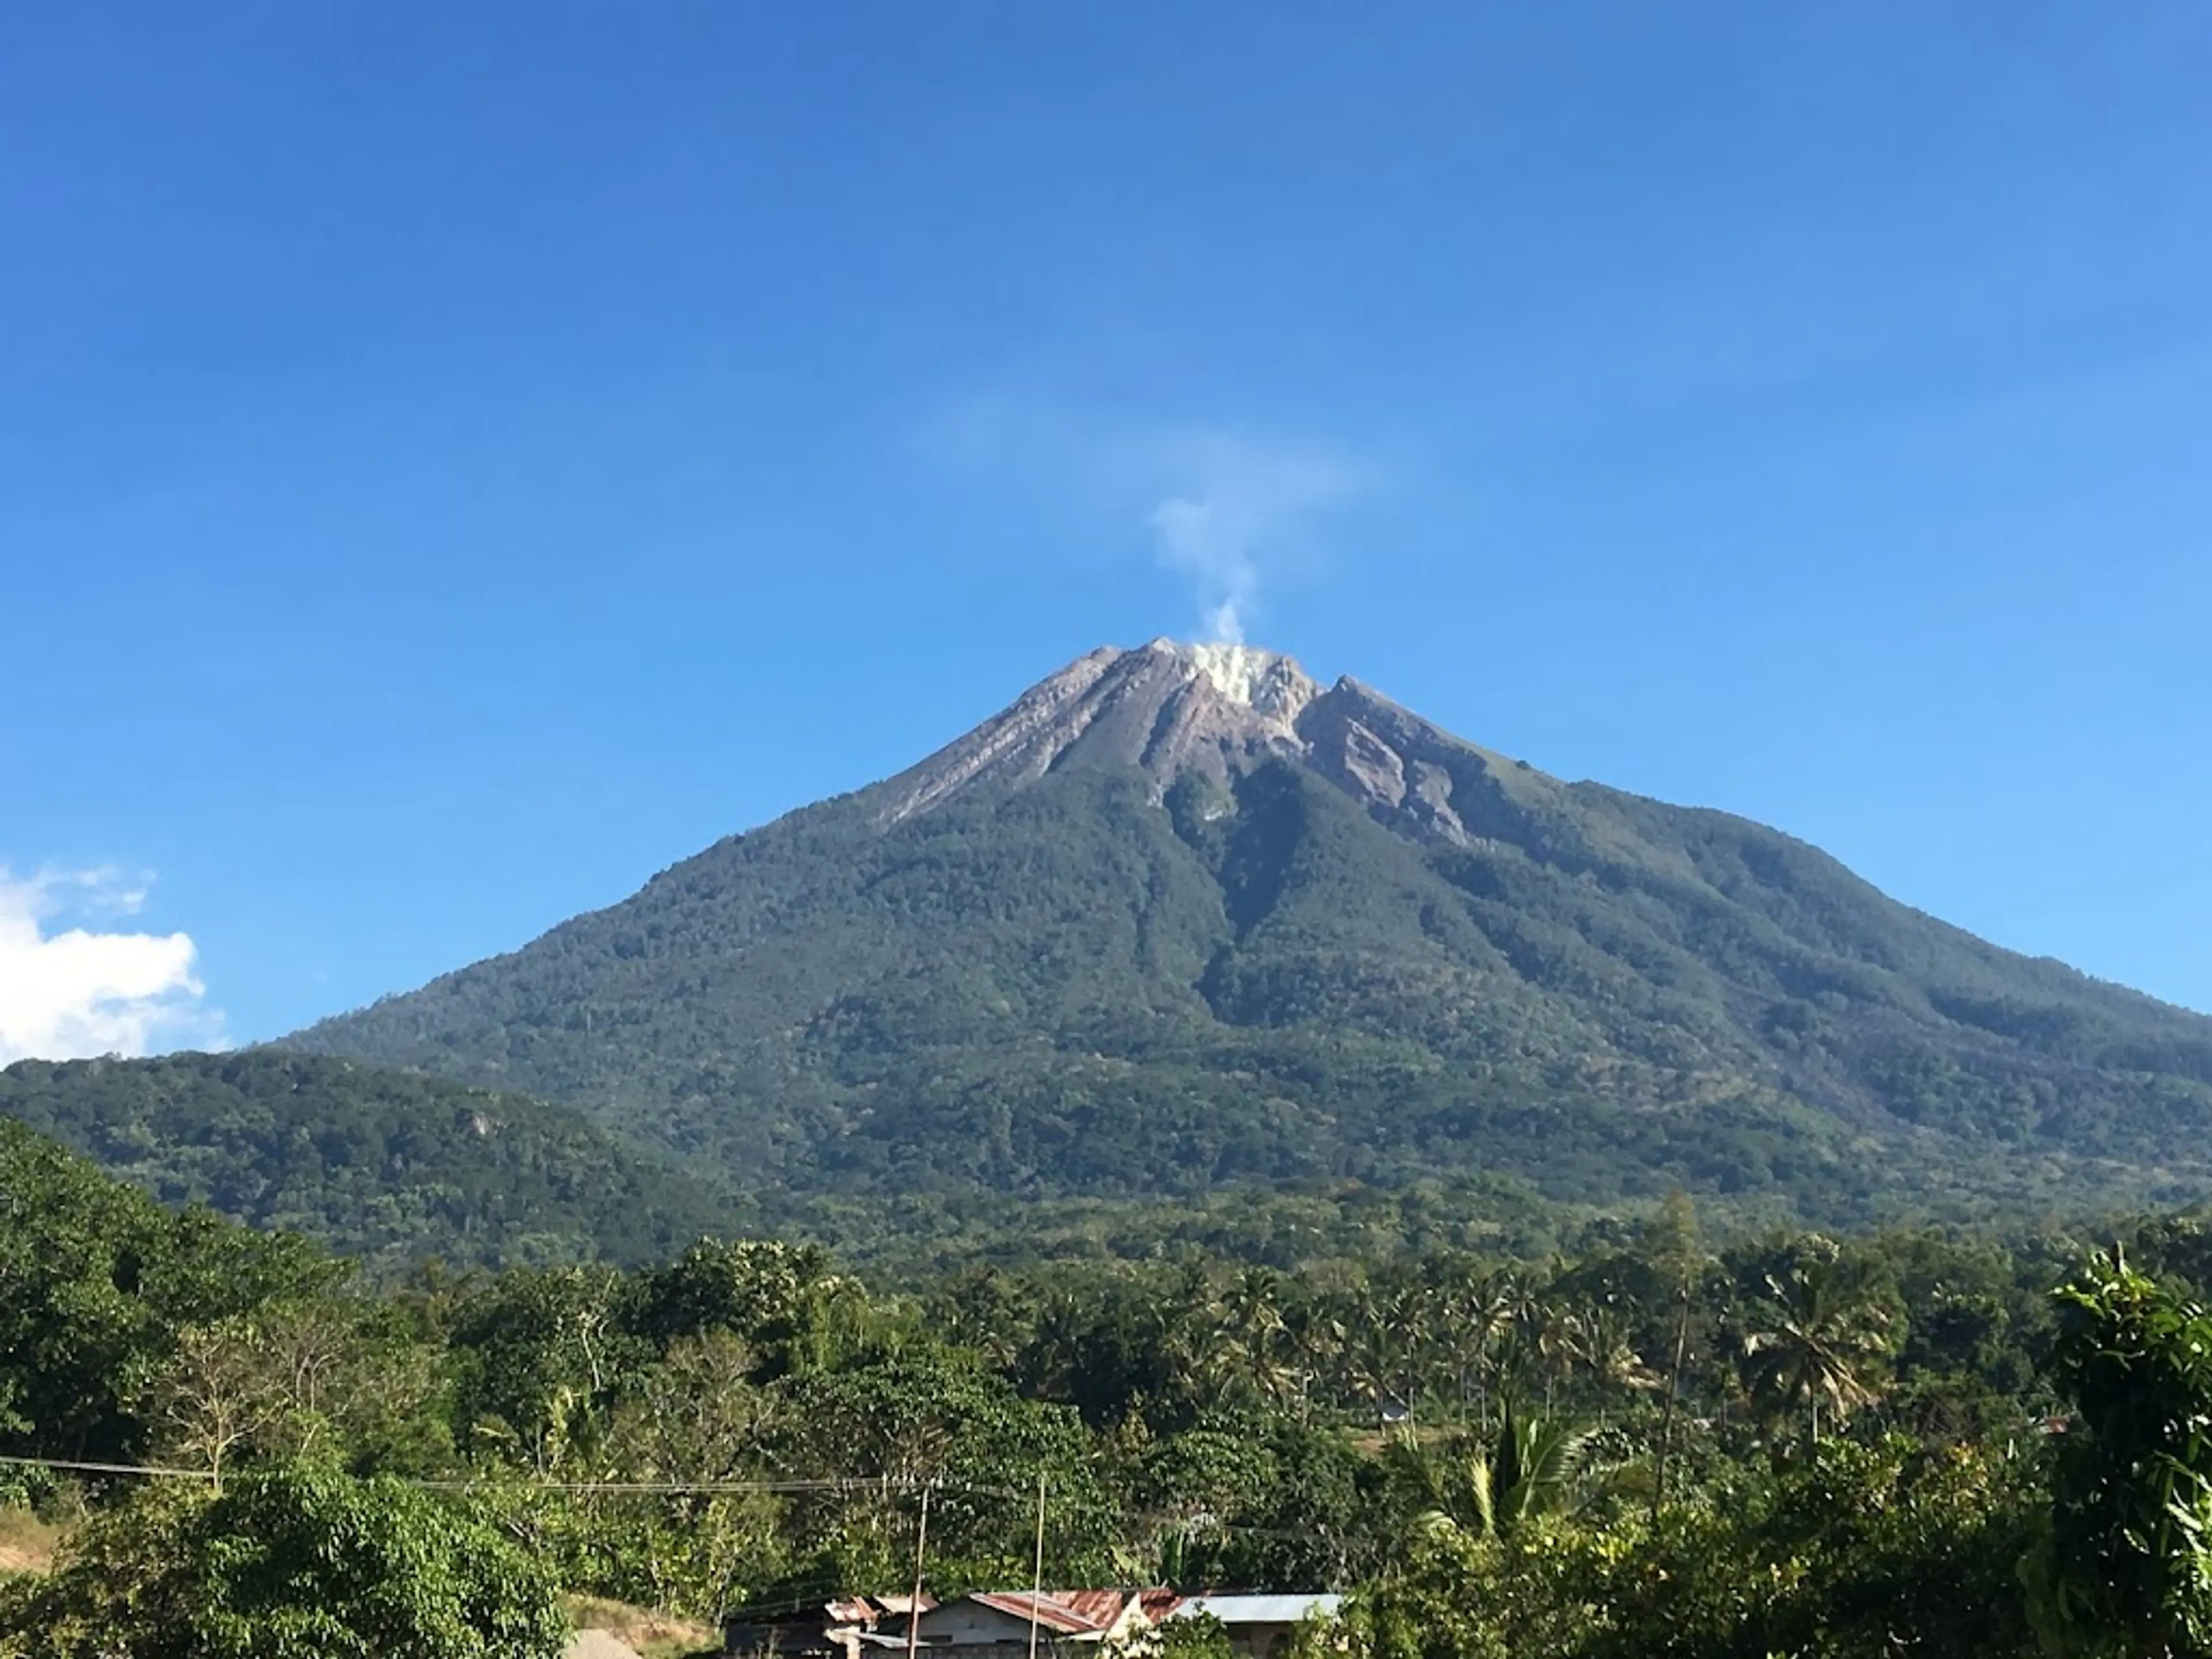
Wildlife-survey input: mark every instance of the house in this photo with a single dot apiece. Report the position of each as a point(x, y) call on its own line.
point(997, 1625)
point(850, 1628)
point(1258, 1626)
point(1084, 1623)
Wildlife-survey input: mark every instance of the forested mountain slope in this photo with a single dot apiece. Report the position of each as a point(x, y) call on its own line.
point(387, 1165)
point(1180, 917)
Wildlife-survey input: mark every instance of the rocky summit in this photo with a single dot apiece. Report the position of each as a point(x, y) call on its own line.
point(1169, 710)
point(1181, 919)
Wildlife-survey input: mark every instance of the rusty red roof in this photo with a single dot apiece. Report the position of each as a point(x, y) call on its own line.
point(1071, 1613)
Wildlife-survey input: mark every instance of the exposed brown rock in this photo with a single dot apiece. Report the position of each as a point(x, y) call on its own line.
point(1173, 710)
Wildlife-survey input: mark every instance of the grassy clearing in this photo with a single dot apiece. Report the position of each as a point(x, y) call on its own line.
point(26, 1543)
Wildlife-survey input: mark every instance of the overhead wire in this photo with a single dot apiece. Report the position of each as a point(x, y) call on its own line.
point(76, 1467)
point(838, 1483)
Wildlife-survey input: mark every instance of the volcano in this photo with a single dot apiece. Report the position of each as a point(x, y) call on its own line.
point(1182, 918)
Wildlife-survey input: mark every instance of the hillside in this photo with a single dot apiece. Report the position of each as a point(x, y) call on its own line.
point(1180, 918)
point(385, 1165)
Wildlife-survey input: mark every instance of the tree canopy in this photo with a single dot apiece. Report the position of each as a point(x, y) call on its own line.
point(1468, 1445)
point(1102, 986)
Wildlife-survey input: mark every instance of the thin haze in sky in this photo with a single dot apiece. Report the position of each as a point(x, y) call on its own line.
point(456, 461)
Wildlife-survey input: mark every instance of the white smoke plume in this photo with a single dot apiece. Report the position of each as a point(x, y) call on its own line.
point(1242, 507)
point(1204, 540)
point(77, 992)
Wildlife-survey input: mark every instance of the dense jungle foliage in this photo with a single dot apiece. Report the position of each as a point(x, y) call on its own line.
point(1084, 988)
point(381, 1164)
point(1648, 1444)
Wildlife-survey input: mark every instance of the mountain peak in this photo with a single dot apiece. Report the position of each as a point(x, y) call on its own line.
point(1267, 682)
point(1171, 708)
point(1166, 708)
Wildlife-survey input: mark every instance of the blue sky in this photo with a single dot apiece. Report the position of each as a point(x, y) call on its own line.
point(455, 461)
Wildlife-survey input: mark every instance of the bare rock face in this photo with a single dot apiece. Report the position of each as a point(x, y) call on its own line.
point(1165, 708)
point(1171, 709)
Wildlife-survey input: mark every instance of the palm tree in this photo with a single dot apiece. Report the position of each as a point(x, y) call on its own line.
point(1474, 1315)
point(1822, 1335)
point(1407, 1316)
point(1370, 1354)
point(1181, 1329)
point(1559, 1339)
point(1493, 1311)
point(1613, 1360)
point(1254, 1334)
point(1314, 1337)
point(1534, 1467)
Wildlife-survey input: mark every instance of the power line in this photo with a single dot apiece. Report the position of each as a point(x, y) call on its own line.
point(107, 1468)
point(496, 1482)
point(841, 1483)
point(849, 1482)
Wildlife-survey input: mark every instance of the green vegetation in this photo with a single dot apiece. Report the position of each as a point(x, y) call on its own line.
point(1079, 990)
point(1795, 1445)
point(294, 1562)
point(388, 1166)
point(1009, 1026)
point(2128, 1565)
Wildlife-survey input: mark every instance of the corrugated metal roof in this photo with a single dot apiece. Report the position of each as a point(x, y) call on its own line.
point(1104, 1606)
point(1071, 1613)
point(1258, 1609)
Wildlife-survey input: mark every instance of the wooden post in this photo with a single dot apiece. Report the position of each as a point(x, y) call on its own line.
point(1673, 1389)
point(1036, 1583)
point(914, 1606)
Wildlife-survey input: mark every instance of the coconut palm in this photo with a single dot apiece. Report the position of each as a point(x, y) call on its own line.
point(1558, 1340)
point(1408, 1316)
point(1821, 1336)
point(1314, 1337)
point(1473, 1317)
point(1525, 1317)
point(1254, 1337)
point(1613, 1360)
point(1370, 1349)
point(1533, 1468)
point(1491, 1310)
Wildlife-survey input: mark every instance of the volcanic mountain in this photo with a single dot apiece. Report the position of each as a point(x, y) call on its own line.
point(1181, 917)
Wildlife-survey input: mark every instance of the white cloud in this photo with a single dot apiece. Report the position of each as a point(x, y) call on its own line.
point(1240, 505)
point(75, 992)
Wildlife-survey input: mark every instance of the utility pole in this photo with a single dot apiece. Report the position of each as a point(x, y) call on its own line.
point(914, 1606)
point(1037, 1584)
point(1673, 1389)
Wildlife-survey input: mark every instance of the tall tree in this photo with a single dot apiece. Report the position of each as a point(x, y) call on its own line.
point(1678, 1260)
point(1822, 1333)
point(2127, 1569)
point(1254, 1335)
point(292, 1563)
